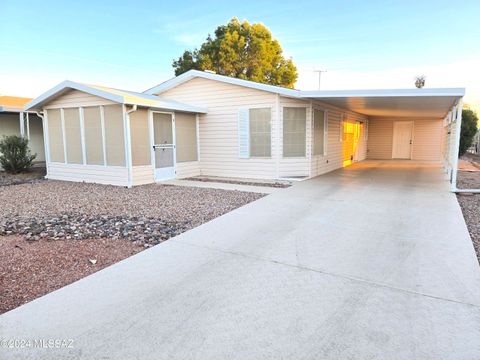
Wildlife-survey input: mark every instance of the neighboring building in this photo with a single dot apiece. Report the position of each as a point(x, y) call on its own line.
point(200, 123)
point(15, 121)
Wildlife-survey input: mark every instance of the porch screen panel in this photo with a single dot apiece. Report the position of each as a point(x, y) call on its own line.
point(139, 133)
point(73, 138)
point(186, 137)
point(294, 131)
point(260, 132)
point(319, 129)
point(93, 135)
point(114, 135)
point(55, 136)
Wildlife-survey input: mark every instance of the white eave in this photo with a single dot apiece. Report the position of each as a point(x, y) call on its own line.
point(180, 79)
point(115, 95)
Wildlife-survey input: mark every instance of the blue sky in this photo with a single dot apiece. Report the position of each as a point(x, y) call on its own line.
point(361, 44)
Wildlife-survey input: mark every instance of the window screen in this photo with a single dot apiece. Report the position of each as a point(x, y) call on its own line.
point(114, 135)
point(186, 137)
point(55, 136)
point(294, 131)
point(139, 133)
point(319, 131)
point(93, 135)
point(260, 132)
point(71, 118)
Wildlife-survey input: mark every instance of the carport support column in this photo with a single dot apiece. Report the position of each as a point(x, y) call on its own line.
point(128, 143)
point(456, 150)
point(22, 124)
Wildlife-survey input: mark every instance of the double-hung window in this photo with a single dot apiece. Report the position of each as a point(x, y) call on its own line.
point(255, 132)
point(320, 128)
point(294, 131)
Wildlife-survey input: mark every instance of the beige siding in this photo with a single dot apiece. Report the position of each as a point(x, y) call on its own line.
point(72, 136)
point(187, 169)
point(88, 173)
point(9, 124)
point(55, 136)
point(142, 175)
point(295, 166)
point(75, 98)
point(140, 137)
point(218, 128)
point(334, 159)
point(36, 137)
point(427, 139)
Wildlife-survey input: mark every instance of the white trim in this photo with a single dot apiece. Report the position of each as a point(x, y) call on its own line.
point(197, 124)
point(125, 97)
point(174, 82)
point(82, 135)
point(306, 107)
point(64, 136)
point(128, 147)
point(457, 145)
point(21, 124)
point(174, 143)
point(28, 126)
point(104, 140)
point(383, 93)
point(278, 137)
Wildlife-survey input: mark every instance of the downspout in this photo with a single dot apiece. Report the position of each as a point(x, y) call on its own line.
point(129, 145)
point(277, 136)
point(458, 129)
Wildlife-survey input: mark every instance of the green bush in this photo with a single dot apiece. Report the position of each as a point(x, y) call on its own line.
point(15, 154)
point(468, 131)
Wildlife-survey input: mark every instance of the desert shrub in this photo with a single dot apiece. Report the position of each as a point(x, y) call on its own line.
point(15, 155)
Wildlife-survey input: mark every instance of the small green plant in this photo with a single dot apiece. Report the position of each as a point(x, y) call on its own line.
point(468, 131)
point(15, 155)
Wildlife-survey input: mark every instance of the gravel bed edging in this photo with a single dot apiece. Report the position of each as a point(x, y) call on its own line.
point(140, 230)
point(239, 182)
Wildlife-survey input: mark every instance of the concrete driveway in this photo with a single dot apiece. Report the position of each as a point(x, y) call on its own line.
point(369, 262)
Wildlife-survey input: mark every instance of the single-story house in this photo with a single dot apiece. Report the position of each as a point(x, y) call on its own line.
point(15, 121)
point(200, 123)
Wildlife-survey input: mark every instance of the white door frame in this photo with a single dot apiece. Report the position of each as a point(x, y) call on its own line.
point(411, 137)
point(173, 169)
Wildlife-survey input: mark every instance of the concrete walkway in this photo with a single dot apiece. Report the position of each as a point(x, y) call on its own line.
point(369, 262)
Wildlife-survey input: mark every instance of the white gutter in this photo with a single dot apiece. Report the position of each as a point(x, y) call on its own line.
point(458, 129)
point(128, 144)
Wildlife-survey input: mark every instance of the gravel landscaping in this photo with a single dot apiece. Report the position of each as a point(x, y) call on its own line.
point(50, 229)
point(276, 184)
point(35, 174)
point(470, 203)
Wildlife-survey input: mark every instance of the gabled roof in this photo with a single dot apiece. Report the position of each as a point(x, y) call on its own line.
point(13, 103)
point(180, 79)
point(115, 95)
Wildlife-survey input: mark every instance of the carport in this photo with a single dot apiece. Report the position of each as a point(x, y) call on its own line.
point(403, 124)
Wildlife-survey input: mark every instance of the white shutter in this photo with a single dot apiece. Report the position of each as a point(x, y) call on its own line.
point(243, 134)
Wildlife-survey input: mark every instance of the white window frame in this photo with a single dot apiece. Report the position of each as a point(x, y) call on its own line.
point(307, 109)
point(325, 130)
point(247, 109)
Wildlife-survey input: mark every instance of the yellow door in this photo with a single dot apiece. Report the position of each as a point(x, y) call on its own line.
point(351, 138)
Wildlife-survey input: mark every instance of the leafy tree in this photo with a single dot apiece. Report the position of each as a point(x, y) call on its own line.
point(468, 131)
point(15, 154)
point(241, 50)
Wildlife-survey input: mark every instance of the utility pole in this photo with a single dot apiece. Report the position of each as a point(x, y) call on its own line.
point(319, 76)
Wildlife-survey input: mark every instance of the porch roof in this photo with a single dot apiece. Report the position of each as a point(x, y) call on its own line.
point(115, 95)
point(419, 103)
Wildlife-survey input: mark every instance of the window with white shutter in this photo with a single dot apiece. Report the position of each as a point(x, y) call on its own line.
point(243, 133)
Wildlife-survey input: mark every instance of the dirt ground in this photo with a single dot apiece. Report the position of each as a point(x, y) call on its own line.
point(30, 269)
